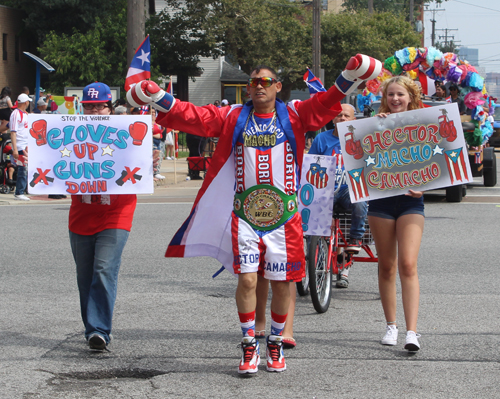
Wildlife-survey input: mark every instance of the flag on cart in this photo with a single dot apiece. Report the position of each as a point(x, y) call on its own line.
point(456, 165)
point(358, 184)
point(313, 83)
point(428, 87)
point(140, 67)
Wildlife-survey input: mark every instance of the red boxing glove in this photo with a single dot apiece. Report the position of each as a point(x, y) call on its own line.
point(39, 132)
point(138, 131)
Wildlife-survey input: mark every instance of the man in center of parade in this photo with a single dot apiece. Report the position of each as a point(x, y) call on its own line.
point(245, 214)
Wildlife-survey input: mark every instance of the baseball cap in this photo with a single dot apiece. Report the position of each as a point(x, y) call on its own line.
point(225, 102)
point(23, 98)
point(41, 102)
point(96, 93)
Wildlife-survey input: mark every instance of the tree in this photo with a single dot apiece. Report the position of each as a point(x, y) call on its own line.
point(99, 54)
point(62, 16)
point(344, 35)
point(275, 33)
point(394, 6)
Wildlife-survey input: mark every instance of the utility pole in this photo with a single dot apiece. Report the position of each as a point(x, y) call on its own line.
point(433, 20)
point(316, 44)
point(446, 36)
point(136, 26)
point(411, 12)
point(370, 7)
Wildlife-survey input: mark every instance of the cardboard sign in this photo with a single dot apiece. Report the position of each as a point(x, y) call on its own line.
point(315, 196)
point(414, 150)
point(90, 154)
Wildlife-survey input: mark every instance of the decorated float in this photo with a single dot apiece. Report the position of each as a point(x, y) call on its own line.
point(428, 65)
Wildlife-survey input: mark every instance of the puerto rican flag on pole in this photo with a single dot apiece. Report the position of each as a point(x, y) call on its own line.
point(428, 87)
point(456, 165)
point(358, 183)
point(140, 67)
point(313, 83)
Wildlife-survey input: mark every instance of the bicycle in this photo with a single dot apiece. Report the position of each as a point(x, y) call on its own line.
point(325, 259)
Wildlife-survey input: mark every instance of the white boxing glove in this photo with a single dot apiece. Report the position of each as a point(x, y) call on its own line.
point(360, 68)
point(148, 92)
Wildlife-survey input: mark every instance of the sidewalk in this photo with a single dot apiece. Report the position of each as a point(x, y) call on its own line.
point(175, 173)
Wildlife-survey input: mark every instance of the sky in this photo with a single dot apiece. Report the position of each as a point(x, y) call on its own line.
point(477, 23)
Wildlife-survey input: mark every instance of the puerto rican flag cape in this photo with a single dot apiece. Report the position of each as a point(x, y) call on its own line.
point(207, 230)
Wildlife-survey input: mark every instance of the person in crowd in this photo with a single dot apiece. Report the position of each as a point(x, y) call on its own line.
point(225, 103)
point(31, 105)
point(157, 138)
point(5, 108)
point(455, 98)
point(262, 142)
point(120, 110)
point(135, 111)
point(19, 133)
point(41, 107)
point(170, 143)
point(327, 143)
point(99, 226)
point(441, 93)
point(217, 103)
point(397, 225)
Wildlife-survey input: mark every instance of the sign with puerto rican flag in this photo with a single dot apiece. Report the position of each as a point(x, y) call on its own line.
point(414, 150)
point(90, 154)
point(140, 67)
point(316, 192)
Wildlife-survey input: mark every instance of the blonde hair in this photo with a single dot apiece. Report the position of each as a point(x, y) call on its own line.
point(409, 85)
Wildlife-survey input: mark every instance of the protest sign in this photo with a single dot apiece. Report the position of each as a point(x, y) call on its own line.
point(414, 150)
point(317, 186)
point(90, 154)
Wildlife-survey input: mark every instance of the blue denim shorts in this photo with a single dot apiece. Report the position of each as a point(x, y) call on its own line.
point(394, 207)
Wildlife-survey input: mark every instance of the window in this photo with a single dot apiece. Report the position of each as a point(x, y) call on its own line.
point(235, 93)
point(4, 46)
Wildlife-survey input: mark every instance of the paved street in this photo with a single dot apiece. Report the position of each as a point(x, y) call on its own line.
point(176, 329)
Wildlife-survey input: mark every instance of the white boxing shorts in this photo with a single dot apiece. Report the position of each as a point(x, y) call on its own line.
point(275, 255)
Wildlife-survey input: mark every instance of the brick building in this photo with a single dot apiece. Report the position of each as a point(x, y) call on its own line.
point(16, 70)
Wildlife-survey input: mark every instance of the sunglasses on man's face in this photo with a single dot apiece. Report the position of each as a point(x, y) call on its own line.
point(264, 82)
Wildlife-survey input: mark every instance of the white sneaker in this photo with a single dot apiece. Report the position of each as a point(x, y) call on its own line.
point(158, 176)
point(169, 158)
point(391, 336)
point(21, 197)
point(412, 344)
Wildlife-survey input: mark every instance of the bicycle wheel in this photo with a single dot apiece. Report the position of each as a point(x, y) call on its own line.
point(303, 286)
point(320, 280)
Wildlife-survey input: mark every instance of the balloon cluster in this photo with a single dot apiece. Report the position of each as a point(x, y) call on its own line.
point(418, 63)
point(438, 66)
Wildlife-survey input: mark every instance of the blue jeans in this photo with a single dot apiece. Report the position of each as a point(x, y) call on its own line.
point(98, 259)
point(22, 178)
point(358, 209)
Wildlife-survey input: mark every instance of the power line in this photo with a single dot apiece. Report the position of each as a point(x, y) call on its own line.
point(480, 44)
point(475, 5)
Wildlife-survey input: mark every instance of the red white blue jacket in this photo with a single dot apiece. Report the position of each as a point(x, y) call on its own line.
point(207, 230)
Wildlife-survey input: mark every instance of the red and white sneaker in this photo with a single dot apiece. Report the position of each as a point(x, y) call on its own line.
point(274, 353)
point(250, 358)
